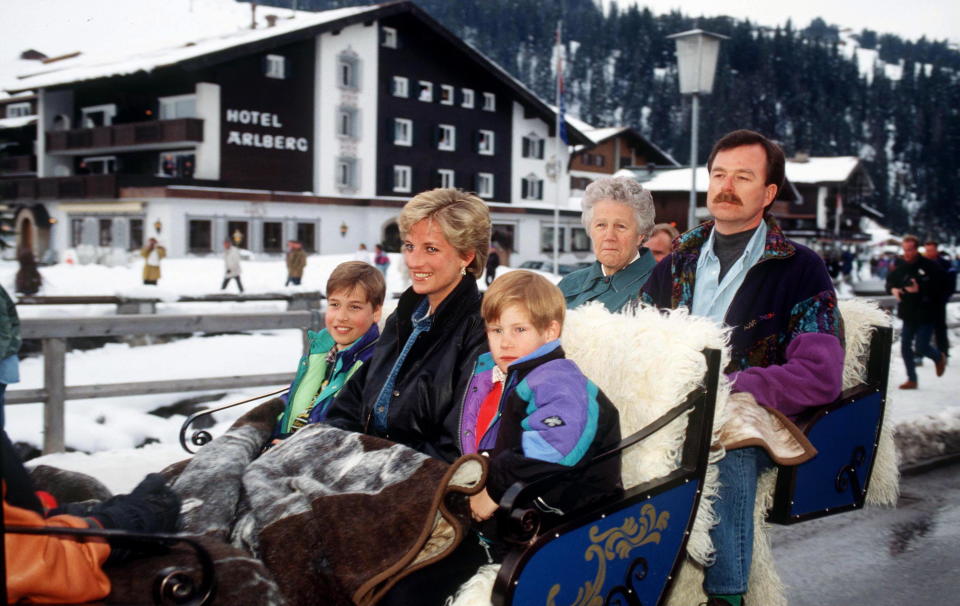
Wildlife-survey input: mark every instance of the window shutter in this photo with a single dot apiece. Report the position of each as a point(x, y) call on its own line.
point(524, 188)
point(526, 147)
point(540, 150)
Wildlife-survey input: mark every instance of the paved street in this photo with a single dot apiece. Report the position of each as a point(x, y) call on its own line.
point(907, 555)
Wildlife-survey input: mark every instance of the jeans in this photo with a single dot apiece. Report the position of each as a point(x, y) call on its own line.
point(733, 535)
point(916, 337)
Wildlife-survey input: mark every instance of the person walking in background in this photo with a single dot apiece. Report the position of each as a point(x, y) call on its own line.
point(152, 253)
point(917, 283)
point(296, 261)
point(930, 251)
point(9, 346)
point(380, 259)
point(661, 240)
point(493, 262)
point(362, 254)
point(231, 262)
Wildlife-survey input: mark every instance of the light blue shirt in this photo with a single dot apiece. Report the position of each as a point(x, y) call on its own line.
point(711, 298)
point(421, 323)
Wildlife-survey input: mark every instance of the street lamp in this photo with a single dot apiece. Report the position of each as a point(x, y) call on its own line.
point(697, 52)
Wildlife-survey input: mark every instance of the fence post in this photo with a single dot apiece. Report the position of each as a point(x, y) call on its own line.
point(54, 383)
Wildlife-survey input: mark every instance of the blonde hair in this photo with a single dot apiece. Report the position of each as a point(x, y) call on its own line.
point(463, 218)
point(542, 300)
point(353, 274)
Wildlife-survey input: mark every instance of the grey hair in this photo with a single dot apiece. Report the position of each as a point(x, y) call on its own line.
point(624, 190)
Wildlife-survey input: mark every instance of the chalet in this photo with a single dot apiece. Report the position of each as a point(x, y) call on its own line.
point(315, 127)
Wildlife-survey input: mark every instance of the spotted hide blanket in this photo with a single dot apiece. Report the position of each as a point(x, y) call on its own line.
point(336, 517)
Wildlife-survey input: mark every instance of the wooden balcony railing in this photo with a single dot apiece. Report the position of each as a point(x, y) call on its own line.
point(83, 186)
point(18, 164)
point(126, 135)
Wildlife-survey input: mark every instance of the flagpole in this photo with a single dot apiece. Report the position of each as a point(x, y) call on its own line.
point(559, 164)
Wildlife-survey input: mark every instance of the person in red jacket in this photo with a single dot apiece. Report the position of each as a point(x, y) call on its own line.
point(59, 568)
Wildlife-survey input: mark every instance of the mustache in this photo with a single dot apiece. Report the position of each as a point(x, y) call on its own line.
point(728, 197)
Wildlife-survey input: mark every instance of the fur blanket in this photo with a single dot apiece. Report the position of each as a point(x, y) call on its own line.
point(327, 512)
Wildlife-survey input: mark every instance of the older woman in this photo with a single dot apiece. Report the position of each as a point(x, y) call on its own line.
point(420, 368)
point(618, 215)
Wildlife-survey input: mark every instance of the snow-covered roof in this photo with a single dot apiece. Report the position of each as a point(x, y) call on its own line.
point(676, 179)
point(822, 169)
point(117, 38)
point(17, 122)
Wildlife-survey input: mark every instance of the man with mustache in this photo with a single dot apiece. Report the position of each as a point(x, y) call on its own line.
point(786, 332)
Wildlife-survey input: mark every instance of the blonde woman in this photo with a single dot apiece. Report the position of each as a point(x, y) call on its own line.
point(424, 358)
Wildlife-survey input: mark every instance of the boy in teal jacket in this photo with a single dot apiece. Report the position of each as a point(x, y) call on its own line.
point(355, 293)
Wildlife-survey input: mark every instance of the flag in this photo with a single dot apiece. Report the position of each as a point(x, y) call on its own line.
point(561, 118)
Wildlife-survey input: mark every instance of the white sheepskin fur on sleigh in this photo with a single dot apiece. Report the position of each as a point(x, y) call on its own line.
point(646, 364)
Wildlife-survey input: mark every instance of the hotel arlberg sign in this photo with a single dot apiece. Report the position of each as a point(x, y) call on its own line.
point(261, 140)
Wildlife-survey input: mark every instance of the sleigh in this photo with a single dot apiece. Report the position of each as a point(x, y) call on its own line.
point(647, 547)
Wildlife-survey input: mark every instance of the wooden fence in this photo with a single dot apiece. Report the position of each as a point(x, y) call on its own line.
point(54, 332)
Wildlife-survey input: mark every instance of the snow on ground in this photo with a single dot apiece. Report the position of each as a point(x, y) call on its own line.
point(111, 428)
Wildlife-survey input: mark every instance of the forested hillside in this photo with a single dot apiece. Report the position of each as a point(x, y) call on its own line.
point(800, 84)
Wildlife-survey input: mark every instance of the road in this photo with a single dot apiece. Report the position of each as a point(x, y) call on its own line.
point(880, 557)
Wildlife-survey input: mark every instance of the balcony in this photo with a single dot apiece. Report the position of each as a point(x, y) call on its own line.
point(59, 188)
point(18, 165)
point(157, 134)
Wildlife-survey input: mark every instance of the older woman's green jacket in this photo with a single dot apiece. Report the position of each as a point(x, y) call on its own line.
point(589, 284)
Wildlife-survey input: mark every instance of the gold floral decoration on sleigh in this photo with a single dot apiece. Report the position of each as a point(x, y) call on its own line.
point(617, 543)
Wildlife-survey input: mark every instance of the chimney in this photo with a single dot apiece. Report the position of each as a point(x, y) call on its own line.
point(253, 15)
point(271, 20)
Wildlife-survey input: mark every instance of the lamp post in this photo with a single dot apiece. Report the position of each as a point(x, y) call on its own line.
point(697, 52)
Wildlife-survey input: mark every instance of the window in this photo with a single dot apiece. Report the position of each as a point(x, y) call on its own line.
point(579, 240)
point(425, 91)
point(485, 142)
point(97, 115)
point(275, 66)
point(272, 236)
point(199, 236)
point(347, 122)
point(306, 235)
point(181, 106)
point(446, 137)
point(467, 98)
point(348, 64)
point(99, 165)
point(15, 110)
point(489, 102)
point(485, 185)
point(533, 146)
point(402, 131)
point(401, 87)
point(105, 229)
point(401, 179)
point(446, 94)
point(346, 173)
point(580, 182)
point(388, 37)
point(593, 159)
point(531, 188)
point(445, 178)
point(546, 239)
point(176, 164)
point(76, 231)
point(136, 234)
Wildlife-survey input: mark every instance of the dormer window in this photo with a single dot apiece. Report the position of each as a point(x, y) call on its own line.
point(388, 37)
point(16, 110)
point(275, 66)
